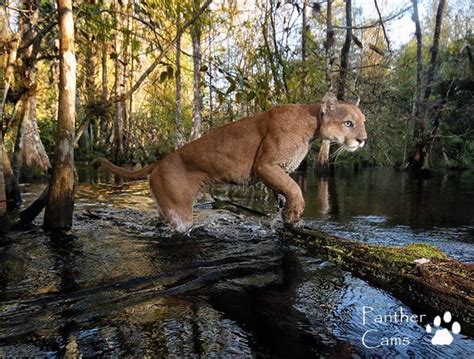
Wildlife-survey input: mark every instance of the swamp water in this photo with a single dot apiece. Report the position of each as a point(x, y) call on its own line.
point(117, 286)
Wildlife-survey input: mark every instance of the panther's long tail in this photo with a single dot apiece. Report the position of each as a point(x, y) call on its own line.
point(123, 172)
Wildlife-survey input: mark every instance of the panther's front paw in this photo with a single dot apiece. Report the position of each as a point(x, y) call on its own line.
point(292, 215)
point(298, 224)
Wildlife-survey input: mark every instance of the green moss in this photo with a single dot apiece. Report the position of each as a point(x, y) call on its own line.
point(399, 256)
point(441, 283)
point(422, 250)
point(409, 252)
point(389, 257)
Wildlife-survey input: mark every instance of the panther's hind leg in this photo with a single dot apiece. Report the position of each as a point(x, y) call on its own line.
point(174, 195)
point(179, 221)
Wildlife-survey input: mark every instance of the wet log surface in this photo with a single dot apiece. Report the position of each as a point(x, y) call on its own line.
point(437, 285)
point(419, 274)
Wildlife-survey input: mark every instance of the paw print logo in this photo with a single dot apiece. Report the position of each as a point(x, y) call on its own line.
point(443, 336)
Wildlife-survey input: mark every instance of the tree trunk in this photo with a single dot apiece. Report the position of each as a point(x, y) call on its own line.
point(128, 8)
point(346, 48)
point(179, 107)
point(12, 188)
point(419, 64)
point(9, 190)
point(105, 80)
point(434, 49)
point(197, 99)
point(129, 77)
point(3, 197)
point(416, 162)
point(9, 73)
point(322, 164)
point(382, 25)
point(23, 219)
point(30, 159)
point(60, 203)
point(82, 135)
point(119, 86)
point(102, 123)
point(131, 104)
point(304, 30)
point(329, 47)
point(211, 78)
point(88, 111)
point(419, 158)
point(273, 69)
point(277, 51)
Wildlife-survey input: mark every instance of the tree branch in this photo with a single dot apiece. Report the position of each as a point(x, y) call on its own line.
point(376, 23)
point(160, 56)
point(382, 24)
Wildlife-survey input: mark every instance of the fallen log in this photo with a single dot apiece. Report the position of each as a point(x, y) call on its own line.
point(418, 274)
point(23, 219)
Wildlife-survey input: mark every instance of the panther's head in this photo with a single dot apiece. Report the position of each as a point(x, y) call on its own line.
point(342, 122)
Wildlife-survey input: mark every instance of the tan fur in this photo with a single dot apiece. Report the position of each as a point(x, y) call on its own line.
point(266, 147)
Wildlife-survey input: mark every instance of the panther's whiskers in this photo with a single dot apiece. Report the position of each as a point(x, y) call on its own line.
point(338, 152)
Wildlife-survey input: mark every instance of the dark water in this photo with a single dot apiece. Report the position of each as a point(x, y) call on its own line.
point(118, 286)
point(387, 207)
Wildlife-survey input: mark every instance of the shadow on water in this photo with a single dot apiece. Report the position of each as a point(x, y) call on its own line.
point(119, 286)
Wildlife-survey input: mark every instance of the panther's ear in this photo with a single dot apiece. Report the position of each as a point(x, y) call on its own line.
point(355, 101)
point(329, 103)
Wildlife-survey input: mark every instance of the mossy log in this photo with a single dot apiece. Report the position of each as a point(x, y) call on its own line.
point(431, 287)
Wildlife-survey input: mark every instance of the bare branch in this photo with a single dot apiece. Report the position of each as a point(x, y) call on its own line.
point(434, 49)
point(376, 49)
point(160, 56)
point(376, 23)
point(39, 35)
point(382, 24)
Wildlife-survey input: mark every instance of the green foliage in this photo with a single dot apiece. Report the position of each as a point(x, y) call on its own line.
point(247, 68)
point(47, 128)
point(46, 109)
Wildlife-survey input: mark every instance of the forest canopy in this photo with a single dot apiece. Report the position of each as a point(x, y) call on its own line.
point(152, 75)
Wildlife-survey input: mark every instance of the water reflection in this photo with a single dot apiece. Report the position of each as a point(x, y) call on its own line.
point(383, 206)
point(120, 287)
point(386, 207)
point(328, 201)
point(323, 194)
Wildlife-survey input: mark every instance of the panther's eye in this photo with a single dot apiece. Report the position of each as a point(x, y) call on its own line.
point(348, 123)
